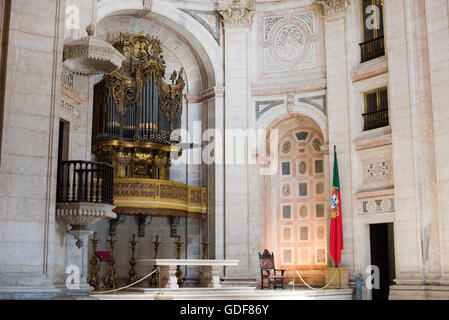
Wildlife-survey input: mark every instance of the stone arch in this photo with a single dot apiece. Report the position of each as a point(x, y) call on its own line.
point(201, 45)
point(283, 111)
point(174, 49)
point(293, 221)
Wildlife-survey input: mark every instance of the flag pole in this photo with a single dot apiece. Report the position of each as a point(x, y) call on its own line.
point(335, 153)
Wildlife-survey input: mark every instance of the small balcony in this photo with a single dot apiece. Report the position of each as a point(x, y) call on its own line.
point(84, 196)
point(82, 181)
point(376, 119)
point(372, 49)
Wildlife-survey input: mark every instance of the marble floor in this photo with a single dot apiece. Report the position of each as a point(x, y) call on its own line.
point(226, 293)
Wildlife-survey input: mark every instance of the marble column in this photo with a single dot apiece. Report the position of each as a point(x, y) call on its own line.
point(338, 101)
point(437, 18)
point(29, 148)
point(237, 232)
point(418, 254)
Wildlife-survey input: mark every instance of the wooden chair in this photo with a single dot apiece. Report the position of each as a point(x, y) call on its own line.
point(269, 273)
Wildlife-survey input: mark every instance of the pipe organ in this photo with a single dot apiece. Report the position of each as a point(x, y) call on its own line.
point(136, 116)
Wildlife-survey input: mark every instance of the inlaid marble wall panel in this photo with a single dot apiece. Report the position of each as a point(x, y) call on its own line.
point(300, 200)
point(290, 42)
point(375, 169)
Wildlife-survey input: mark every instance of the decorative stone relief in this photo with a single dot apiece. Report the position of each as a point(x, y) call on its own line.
point(318, 102)
point(264, 106)
point(269, 23)
point(303, 212)
point(302, 169)
point(321, 233)
point(376, 205)
point(237, 13)
point(289, 42)
point(309, 61)
point(334, 6)
point(67, 107)
point(271, 65)
point(319, 188)
point(68, 78)
point(321, 256)
point(286, 191)
point(287, 147)
point(308, 18)
point(378, 170)
point(317, 145)
point(209, 19)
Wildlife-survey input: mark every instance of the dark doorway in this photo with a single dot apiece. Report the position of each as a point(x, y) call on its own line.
point(382, 255)
point(63, 146)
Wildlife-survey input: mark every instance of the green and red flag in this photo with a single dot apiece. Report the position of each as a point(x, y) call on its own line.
point(336, 233)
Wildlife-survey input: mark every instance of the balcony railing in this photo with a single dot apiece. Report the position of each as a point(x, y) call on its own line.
point(375, 120)
point(372, 49)
point(83, 181)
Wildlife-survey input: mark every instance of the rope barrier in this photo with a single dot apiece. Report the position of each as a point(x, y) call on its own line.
point(128, 286)
point(317, 289)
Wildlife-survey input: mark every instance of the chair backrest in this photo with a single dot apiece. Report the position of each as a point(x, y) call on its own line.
point(266, 260)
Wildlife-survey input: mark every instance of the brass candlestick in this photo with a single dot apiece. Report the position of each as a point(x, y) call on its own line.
point(132, 262)
point(179, 244)
point(154, 279)
point(109, 280)
point(205, 249)
point(93, 279)
point(157, 245)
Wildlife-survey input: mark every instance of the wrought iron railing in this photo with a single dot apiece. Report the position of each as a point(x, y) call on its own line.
point(377, 119)
point(83, 181)
point(372, 49)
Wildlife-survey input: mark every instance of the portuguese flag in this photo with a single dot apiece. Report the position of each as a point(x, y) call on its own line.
point(336, 233)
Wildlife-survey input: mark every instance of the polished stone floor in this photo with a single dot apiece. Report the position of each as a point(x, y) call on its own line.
point(227, 293)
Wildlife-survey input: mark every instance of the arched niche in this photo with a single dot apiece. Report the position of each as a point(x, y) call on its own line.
point(293, 201)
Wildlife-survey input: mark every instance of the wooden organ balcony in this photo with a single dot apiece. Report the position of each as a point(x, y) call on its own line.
point(135, 120)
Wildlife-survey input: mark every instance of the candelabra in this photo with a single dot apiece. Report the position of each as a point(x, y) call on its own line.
point(93, 279)
point(154, 279)
point(109, 280)
point(132, 262)
point(205, 249)
point(179, 244)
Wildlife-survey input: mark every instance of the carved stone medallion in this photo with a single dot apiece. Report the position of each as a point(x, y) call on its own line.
point(289, 42)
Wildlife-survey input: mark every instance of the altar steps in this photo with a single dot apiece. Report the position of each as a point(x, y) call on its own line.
point(227, 293)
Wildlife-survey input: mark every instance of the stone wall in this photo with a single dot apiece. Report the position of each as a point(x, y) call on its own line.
point(29, 149)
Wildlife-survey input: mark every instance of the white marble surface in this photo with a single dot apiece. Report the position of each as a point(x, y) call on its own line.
point(187, 262)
